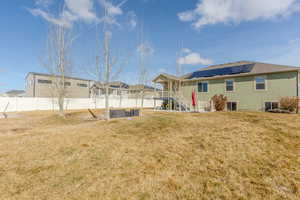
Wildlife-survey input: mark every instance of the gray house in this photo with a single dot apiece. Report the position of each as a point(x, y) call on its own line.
point(41, 85)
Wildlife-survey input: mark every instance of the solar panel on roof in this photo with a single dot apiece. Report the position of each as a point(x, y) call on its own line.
point(223, 71)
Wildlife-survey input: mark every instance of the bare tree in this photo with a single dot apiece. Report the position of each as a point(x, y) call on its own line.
point(107, 70)
point(109, 61)
point(179, 74)
point(96, 71)
point(144, 50)
point(57, 61)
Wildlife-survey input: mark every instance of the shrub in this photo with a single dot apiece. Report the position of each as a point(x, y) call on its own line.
point(219, 102)
point(289, 103)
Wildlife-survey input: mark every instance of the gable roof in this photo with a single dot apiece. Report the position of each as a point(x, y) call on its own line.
point(165, 76)
point(241, 68)
point(50, 75)
point(140, 87)
point(116, 84)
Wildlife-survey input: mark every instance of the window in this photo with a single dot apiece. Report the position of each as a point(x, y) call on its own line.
point(44, 81)
point(81, 85)
point(203, 87)
point(271, 106)
point(231, 106)
point(229, 85)
point(260, 83)
point(67, 83)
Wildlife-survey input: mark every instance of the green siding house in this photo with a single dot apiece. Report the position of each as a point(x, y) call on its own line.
point(247, 85)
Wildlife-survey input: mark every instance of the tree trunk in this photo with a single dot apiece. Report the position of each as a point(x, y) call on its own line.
point(107, 103)
point(61, 106)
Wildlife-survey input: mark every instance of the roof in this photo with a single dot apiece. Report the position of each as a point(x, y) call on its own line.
point(241, 68)
point(50, 75)
point(140, 87)
point(166, 76)
point(116, 84)
point(14, 93)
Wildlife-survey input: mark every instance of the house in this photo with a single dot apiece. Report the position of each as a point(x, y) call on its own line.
point(247, 85)
point(139, 87)
point(98, 88)
point(14, 93)
point(41, 85)
point(117, 88)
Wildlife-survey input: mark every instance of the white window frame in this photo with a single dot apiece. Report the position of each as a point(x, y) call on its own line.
point(207, 86)
point(232, 84)
point(237, 106)
point(264, 109)
point(266, 88)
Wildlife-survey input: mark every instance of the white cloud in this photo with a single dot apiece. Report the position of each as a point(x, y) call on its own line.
point(132, 19)
point(112, 11)
point(187, 16)
point(192, 58)
point(145, 49)
point(235, 11)
point(82, 9)
point(61, 21)
point(186, 50)
point(74, 10)
point(43, 3)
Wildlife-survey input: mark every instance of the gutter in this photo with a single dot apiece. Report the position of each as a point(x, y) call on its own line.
point(239, 75)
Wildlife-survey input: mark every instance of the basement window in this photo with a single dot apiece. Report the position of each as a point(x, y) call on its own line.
point(271, 106)
point(203, 87)
point(231, 106)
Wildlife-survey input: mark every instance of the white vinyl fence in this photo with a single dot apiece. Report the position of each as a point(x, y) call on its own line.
point(16, 104)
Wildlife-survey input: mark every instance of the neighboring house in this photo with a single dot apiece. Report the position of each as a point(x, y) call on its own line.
point(15, 93)
point(98, 89)
point(247, 85)
point(117, 88)
point(138, 88)
point(41, 85)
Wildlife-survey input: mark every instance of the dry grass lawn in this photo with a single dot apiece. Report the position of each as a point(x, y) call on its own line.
point(243, 155)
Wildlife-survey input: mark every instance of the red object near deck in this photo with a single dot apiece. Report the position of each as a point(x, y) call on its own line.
point(194, 98)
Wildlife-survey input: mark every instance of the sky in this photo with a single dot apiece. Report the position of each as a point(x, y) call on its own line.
point(192, 33)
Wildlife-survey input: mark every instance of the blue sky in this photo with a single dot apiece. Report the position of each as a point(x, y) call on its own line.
point(204, 31)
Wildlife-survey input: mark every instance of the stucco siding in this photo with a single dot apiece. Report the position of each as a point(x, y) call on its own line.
point(277, 85)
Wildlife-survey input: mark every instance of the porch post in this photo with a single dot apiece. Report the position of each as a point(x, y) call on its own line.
point(168, 94)
point(170, 89)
